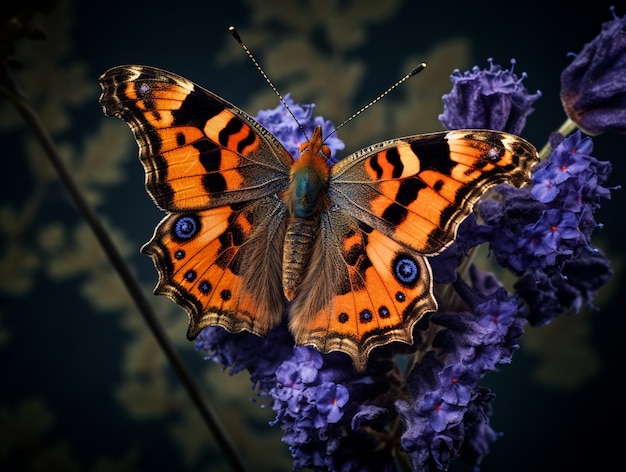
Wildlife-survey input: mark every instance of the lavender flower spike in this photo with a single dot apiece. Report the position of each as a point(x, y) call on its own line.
point(593, 86)
point(492, 98)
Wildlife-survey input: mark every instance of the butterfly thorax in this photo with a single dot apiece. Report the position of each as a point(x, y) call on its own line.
point(306, 198)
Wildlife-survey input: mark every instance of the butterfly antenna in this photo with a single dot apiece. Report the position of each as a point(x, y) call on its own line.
point(415, 71)
point(235, 34)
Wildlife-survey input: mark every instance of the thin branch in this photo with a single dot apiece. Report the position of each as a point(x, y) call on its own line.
point(127, 277)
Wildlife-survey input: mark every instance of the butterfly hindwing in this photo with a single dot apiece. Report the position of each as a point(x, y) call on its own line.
point(223, 265)
point(418, 189)
point(378, 290)
point(198, 150)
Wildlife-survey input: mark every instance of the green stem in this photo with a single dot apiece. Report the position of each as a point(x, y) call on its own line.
point(127, 277)
point(566, 128)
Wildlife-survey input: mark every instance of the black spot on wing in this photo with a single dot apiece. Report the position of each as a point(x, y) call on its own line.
point(232, 127)
point(211, 159)
point(407, 193)
point(230, 240)
point(247, 141)
point(196, 110)
point(409, 188)
point(395, 214)
point(434, 154)
point(375, 165)
point(393, 157)
point(214, 183)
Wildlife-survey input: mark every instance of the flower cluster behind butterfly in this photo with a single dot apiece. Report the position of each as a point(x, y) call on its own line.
point(253, 235)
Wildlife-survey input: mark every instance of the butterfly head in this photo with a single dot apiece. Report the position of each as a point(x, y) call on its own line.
point(315, 147)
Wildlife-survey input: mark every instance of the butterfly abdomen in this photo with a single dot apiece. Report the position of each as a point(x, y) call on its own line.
point(305, 200)
point(299, 242)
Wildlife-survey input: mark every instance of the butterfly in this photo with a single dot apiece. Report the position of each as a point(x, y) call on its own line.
point(253, 235)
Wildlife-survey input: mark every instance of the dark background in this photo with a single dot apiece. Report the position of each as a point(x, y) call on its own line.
point(84, 387)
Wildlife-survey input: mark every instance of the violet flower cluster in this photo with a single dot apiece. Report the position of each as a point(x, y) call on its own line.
point(543, 232)
point(593, 86)
point(422, 406)
point(498, 101)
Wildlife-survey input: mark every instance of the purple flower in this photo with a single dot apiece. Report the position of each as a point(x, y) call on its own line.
point(571, 159)
point(593, 86)
point(281, 124)
point(330, 398)
point(546, 236)
point(543, 233)
point(457, 383)
point(439, 414)
point(321, 403)
point(485, 337)
point(492, 98)
point(448, 411)
point(497, 315)
point(425, 448)
point(478, 433)
point(469, 439)
point(246, 351)
point(549, 295)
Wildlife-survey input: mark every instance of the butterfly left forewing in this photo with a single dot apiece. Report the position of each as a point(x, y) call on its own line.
point(198, 150)
point(418, 189)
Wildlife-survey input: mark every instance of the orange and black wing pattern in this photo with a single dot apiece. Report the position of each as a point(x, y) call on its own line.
point(417, 190)
point(198, 151)
point(217, 172)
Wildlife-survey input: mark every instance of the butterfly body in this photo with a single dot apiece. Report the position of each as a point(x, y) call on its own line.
point(253, 235)
point(306, 199)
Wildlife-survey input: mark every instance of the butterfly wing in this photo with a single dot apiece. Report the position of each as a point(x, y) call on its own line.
point(198, 150)
point(395, 203)
point(363, 290)
point(217, 172)
point(417, 190)
point(223, 265)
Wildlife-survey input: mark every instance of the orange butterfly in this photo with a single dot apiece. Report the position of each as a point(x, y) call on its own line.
point(252, 235)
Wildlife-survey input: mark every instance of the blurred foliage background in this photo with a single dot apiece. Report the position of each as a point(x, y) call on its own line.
point(84, 386)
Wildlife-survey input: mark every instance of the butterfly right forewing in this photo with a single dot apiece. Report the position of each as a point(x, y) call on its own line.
point(417, 190)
